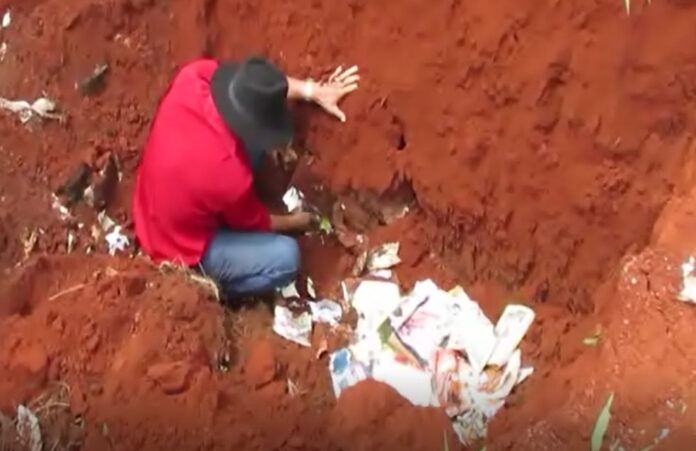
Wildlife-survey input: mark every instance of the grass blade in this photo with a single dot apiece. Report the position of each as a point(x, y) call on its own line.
point(601, 425)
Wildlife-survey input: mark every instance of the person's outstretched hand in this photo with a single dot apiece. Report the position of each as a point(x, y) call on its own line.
point(329, 93)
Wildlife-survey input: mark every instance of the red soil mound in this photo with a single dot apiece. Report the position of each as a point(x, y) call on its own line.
point(373, 416)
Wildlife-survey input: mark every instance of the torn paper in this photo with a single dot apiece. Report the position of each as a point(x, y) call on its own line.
point(326, 311)
point(383, 257)
point(293, 199)
point(28, 429)
point(411, 383)
point(452, 376)
point(474, 334)
point(294, 328)
point(346, 371)
point(492, 388)
point(427, 328)
point(116, 241)
point(511, 328)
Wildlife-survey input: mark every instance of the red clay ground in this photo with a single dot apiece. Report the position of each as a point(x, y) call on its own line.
point(542, 141)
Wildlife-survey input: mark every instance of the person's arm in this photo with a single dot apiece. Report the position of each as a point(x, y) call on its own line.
point(293, 222)
point(326, 94)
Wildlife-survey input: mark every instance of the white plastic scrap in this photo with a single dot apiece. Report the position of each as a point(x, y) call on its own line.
point(297, 329)
point(6, 19)
point(383, 257)
point(62, 210)
point(293, 199)
point(116, 240)
point(41, 107)
point(105, 222)
point(326, 311)
point(688, 291)
point(310, 288)
point(28, 428)
point(70, 246)
point(290, 291)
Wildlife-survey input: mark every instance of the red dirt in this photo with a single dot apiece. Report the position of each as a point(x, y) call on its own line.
point(541, 141)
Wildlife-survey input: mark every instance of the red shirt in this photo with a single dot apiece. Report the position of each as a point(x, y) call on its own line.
point(194, 176)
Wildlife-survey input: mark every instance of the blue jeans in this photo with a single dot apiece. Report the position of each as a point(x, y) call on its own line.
point(245, 263)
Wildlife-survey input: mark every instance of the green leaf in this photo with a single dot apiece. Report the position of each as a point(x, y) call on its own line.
point(601, 425)
point(325, 225)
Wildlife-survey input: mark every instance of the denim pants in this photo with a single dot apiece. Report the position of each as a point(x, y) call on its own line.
point(244, 263)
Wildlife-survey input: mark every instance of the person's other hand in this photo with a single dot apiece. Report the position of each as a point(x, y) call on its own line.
point(303, 221)
point(329, 93)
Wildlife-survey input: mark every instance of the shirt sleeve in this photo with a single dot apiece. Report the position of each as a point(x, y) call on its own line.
point(247, 212)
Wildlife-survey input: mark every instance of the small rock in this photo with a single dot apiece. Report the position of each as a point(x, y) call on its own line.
point(172, 377)
point(261, 366)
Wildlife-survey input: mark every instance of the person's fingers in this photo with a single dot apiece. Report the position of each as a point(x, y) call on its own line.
point(350, 80)
point(335, 74)
point(348, 89)
point(336, 111)
point(348, 72)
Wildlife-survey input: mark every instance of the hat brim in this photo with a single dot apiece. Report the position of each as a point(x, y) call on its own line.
point(254, 133)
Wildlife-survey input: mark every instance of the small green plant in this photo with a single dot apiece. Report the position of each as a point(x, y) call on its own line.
point(601, 425)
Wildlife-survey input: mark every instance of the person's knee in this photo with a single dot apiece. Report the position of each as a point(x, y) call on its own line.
point(288, 258)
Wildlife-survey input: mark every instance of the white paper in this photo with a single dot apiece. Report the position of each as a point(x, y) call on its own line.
point(421, 292)
point(382, 274)
point(411, 383)
point(116, 241)
point(297, 329)
point(375, 300)
point(688, 291)
point(28, 428)
point(511, 328)
point(452, 382)
point(326, 311)
point(293, 199)
point(383, 257)
point(473, 333)
point(290, 291)
point(427, 327)
point(490, 401)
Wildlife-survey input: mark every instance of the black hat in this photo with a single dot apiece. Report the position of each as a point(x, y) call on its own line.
point(251, 96)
